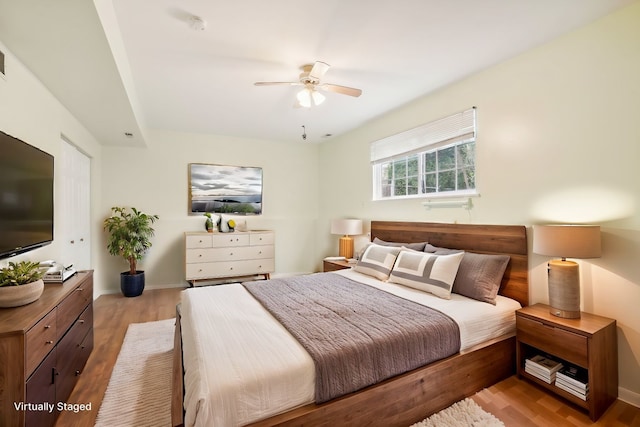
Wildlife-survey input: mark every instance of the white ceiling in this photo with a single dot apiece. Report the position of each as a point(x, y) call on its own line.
point(131, 65)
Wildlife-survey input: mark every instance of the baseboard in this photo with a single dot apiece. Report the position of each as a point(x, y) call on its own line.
point(628, 396)
point(98, 293)
point(167, 286)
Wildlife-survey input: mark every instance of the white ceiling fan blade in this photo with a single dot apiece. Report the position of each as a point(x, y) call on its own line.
point(344, 90)
point(277, 83)
point(319, 69)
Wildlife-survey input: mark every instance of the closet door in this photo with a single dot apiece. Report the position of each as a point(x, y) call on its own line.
point(76, 207)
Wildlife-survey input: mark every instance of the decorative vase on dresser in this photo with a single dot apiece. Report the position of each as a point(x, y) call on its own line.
point(220, 256)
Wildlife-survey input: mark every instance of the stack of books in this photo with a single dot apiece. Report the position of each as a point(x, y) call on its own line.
point(542, 368)
point(573, 380)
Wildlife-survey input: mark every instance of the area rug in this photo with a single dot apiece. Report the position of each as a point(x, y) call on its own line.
point(139, 391)
point(465, 413)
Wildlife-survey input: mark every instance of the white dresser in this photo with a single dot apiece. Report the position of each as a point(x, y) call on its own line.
point(212, 256)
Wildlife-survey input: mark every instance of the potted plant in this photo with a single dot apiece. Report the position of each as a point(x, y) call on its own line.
point(130, 233)
point(208, 224)
point(20, 283)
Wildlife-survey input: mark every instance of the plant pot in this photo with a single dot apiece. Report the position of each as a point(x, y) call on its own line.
point(132, 285)
point(15, 296)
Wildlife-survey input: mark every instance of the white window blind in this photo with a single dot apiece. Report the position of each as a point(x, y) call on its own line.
point(457, 127)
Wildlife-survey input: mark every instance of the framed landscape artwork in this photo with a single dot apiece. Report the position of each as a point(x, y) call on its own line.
point(225, 189)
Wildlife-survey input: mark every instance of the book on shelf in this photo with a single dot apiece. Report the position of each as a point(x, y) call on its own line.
point(544, 363)
point(540, 376)
point(580, 389)
point(572, 391)
point(542, 368)
point(574, 375)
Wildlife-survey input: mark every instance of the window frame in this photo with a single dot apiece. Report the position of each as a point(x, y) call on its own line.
point(434, 137)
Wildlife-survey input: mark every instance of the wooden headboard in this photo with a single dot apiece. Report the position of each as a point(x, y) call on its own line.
point(487, 239)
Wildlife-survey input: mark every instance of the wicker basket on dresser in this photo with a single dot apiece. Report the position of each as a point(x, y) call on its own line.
point(43, 348)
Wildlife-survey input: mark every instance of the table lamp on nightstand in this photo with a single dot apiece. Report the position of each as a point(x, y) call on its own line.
point(347, 228)
point(566, 241)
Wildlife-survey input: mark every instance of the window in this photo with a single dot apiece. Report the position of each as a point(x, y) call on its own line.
point(437, 158)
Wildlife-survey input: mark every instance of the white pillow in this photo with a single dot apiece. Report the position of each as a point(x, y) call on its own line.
point(377, 261)
point(427, 272)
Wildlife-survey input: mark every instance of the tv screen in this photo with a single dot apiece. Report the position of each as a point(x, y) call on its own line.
point(225, 189)
point(26, 197)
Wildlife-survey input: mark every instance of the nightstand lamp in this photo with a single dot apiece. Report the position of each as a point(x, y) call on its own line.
point(566, 241)
point(347, 228)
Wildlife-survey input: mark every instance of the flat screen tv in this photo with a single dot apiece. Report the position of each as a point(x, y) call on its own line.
point(26, 197)
point(225, 189)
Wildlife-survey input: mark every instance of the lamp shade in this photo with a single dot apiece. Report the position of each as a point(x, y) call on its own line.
point(346, 227)
point(567, 241)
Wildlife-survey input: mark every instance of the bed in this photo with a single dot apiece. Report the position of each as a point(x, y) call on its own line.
point(400, 400)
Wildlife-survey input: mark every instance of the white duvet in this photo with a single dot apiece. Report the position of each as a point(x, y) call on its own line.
point(241, 365)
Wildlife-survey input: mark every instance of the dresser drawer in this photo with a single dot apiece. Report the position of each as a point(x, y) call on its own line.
point(41, 388)
point(564, 344)
point(73, 305)
point(40, 340)
point(225, 240)
point(230, 269)
point(199, 241)
point(229, 254)
point(262, 239)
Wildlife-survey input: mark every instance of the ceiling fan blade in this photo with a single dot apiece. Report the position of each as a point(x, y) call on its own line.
point(277, 83)
point(344, 90)
point(319, 69)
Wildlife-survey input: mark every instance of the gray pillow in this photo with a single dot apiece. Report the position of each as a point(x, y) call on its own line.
point(479, 276)
point(377, 261)
point(415, 246)
point(427, 272)
point(439, 251)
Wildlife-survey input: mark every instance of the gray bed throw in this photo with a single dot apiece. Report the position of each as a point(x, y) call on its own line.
point(356, 335)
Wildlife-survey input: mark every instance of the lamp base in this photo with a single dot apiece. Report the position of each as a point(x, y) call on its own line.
point(346, 247)
point(564, 289)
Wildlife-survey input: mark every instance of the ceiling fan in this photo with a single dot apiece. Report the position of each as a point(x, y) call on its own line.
point(310, 79)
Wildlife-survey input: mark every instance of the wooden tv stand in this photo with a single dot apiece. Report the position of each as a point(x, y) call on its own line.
point(44, 347)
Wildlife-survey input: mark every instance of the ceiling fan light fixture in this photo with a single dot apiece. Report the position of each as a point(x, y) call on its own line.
point(308, 97)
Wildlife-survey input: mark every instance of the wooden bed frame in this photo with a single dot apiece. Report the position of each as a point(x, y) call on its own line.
point(410, 397)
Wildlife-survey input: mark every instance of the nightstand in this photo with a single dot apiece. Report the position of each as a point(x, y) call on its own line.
point(332, 265)
point(589, 342)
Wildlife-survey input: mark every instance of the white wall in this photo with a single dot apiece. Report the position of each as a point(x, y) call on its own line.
point(558, 141)
point(28, 111)
point(155, 180)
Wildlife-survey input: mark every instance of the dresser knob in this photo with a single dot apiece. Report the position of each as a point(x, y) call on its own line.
point(200, 256)
point(49, 342)
point(81, 321)
point(47, 326)
point(231, 254)
point(77, 373)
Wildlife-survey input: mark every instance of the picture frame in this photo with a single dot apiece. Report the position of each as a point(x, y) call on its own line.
point(224, 189)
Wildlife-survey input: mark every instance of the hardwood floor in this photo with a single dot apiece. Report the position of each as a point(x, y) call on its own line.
point(516, 402)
